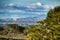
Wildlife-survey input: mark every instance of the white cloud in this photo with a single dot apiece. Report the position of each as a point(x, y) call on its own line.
point(15, 10)
point(38, 13)
point(11, 10)
point(48, 6)
point(36, 7)
point(38, 4)
point(11, 4)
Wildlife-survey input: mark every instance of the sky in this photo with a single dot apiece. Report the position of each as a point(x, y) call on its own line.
point(26, 8)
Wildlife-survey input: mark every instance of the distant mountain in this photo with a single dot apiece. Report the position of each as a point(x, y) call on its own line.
point(20, 21)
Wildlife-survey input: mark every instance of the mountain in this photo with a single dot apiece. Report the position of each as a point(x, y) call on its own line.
point(20, 21)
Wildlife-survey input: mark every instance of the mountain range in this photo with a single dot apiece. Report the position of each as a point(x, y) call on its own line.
point(20, 21)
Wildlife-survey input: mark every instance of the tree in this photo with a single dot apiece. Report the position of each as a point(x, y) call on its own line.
point(15, 27)
point(1, 28)
point(49, 31)
point(53, 22)
point(12, 30)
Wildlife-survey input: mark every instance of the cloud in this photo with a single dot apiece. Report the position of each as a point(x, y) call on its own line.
point(48, 6)
point(12, 11)
point(38, 4)
point(38, 13)
point(36, 7)
point(11, 4)
point(15, 10)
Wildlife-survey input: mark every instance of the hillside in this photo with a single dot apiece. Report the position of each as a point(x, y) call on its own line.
point(48, 29)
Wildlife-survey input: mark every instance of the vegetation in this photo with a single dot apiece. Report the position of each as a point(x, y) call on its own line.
point(49, 29)
point(12, 30)
point(1, 28)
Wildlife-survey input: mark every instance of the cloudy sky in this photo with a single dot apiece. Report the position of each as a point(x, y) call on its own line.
point(26, 8)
